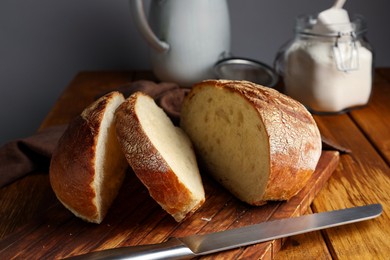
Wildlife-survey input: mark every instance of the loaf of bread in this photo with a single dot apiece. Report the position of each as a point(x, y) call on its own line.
point(258, 143)
point(88, 166)
point(161, 155)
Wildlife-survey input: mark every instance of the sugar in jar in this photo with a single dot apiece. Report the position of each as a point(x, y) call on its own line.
point(329, 71)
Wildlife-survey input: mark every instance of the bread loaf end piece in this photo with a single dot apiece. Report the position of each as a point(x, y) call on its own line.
point(258, 143)
point(88, 167)
point(161, 155)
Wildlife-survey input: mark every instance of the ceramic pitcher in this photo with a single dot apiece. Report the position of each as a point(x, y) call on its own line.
point(186, 38)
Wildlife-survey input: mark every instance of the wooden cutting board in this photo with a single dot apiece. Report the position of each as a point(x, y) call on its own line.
point(136, 219)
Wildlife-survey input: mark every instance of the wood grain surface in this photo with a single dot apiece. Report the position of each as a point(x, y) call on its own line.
point(136, 219)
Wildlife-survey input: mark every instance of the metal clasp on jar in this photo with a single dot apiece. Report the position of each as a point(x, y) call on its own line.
point(345, 52)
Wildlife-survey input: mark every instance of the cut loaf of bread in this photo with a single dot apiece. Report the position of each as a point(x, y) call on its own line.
point(258, 143)
point(88, 166)
point(160, 154)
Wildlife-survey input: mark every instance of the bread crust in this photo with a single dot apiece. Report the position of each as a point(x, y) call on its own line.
point(72, 168)
point(149, 164)
point(294, 138)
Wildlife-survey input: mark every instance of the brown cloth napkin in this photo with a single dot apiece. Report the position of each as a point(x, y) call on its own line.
point(21, 157)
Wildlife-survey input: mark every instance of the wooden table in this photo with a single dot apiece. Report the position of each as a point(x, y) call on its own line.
point(362, 177)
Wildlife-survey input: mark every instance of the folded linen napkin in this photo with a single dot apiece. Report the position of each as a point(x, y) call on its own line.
point(23, 156)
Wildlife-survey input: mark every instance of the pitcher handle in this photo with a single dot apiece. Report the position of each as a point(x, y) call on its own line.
point(138, 12)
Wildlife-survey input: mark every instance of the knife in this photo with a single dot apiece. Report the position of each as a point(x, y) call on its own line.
point(198, 245)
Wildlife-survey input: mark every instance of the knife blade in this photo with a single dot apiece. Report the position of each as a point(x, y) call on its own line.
point(198, 245)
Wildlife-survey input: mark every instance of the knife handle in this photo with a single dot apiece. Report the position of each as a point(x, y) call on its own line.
point(173, 248)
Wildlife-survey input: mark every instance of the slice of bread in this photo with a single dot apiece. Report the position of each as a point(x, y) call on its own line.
point(160, 154)
point(88, 166)
point(258, 143)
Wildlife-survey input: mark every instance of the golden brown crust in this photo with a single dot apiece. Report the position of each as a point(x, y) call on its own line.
point(148, 163)
point(294, 139)
point(72, 168)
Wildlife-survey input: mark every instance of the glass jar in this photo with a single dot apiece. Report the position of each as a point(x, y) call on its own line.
point(327, 72)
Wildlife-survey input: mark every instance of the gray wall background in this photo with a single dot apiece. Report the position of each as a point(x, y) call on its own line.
point(44, 43)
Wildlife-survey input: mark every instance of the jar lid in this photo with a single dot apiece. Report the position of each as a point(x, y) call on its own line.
point(246, 69)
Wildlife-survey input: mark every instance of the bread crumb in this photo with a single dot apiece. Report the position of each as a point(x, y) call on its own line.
point(206, 219)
